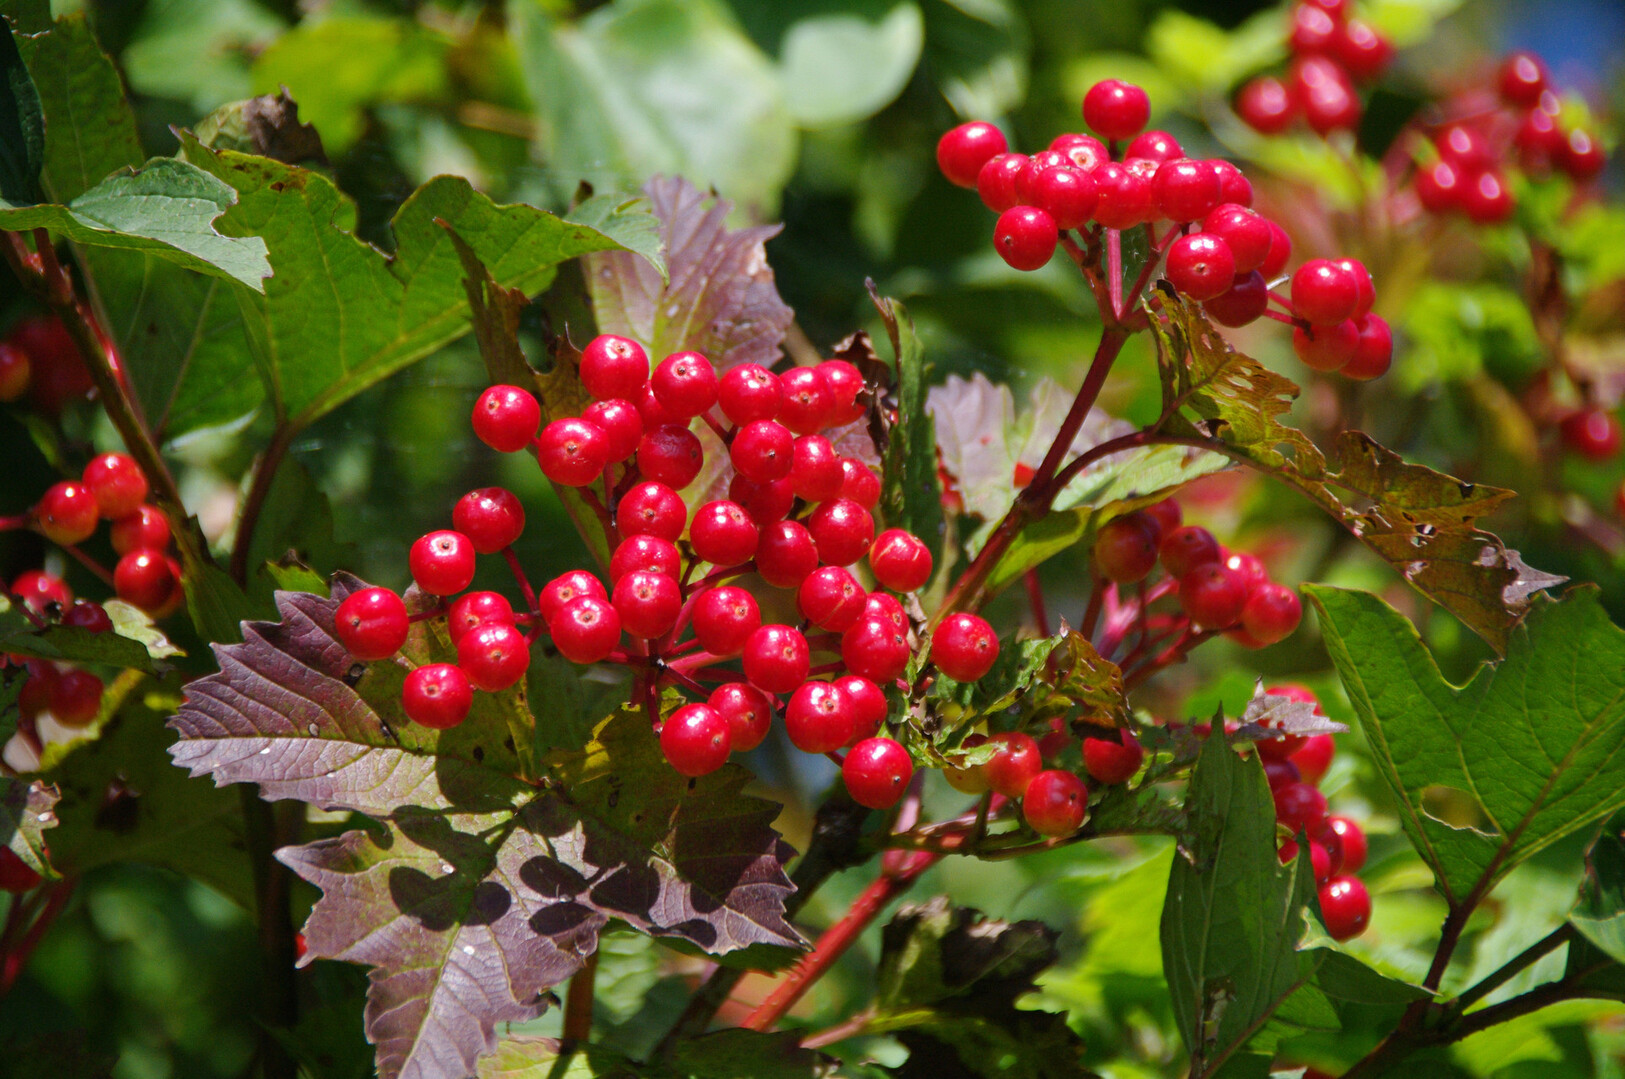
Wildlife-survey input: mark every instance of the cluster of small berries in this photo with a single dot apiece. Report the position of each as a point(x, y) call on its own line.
point(1332, 51)
point(1228, 263)
point(798, 516)
point(1217, 589)
point(1468, 156)
point(1295, 765)
point(70, 695)
point(39, 359)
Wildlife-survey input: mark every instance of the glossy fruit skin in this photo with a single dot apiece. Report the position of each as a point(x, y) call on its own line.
point(996, 182)
point(1280, 252)
point(1593, 433)
point(1067, 194)
point(1246, 233)
point(117, 484)
point(868, 704)
point(831, 599)
point(1201, 266)
point(437, 695)
point(1244, 302)
point(1580, 155)
point(442, 563)
point(1300, 807)
point(572, 452)
point(67, 513)
point(1084, 151)
point(900, 560)
point(785, 554)
point(1439, 186)
point(586, 629)
point(841, 531)
point(474, 609)
point(622, 426)
point(1326, 348)
point(1055, 803)
point(818, 718)
point(1025, 237)
point(143, 578)
point(566, 587)
point(964, 647)
point(372, 623)
point(670, 454)
point(494, 655)
point(1014, 765)
point(765, 502)
point(875, 648)
point(1522, 78)
point(808, 404)
point(1353, 841)
point(1187, 547)
point(1126, 548)
point(748, 393)
point(491, 517)
point(1486, 198)
point(16, 876)
point(877, 772)
point(1186, 190)
point(1266, 105)
point(845, 384)
point(1111, 762)
point(146, 527)
point(613, 366)
point(859, 483)
point(1124, 197)
point(648, 603)
point(651, 509)
point(724, 619)
point(1324, 293)
point(723, 534)
point(776, 659)
point(1345, 906)
point(962, 151)
point(76, 697)
point(1213, 595)
point(763, 451)
point(816, 474)
point(685, 383)
point(1115, 109)
point(1362, 51)
point(1375, 352)
point(749, 713)
point(1315, 757)
point(505, 418)
point(88, 616)
point(696, 740)
point(1280, 773)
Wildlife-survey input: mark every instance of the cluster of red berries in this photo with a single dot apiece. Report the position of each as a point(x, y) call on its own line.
point(70, 695)
point(1332, 51)
point(1466, 167)
point(1295, 765)
point(1217, 589)
point(1218, 250)
point(39, 359)
point(797, 516)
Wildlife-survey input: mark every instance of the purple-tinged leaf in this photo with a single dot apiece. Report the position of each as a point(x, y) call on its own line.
point(720, 297)
point(1269, 715)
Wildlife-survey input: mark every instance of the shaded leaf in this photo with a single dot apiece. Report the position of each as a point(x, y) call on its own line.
point(267, 125)
point(750, 1054)
point(719, 297)
point(1600, 913)
point(1531, 741)
point(134, 642)
point(977, 52)
point(22, 127)
point(295, 527)
point(27, 808)
point(910, 492)
point(166, 207)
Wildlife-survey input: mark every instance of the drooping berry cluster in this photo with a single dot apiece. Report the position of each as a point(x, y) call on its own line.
point(1463, 166)
point(1332, 51)
point(1216, 248)
point(797, 516)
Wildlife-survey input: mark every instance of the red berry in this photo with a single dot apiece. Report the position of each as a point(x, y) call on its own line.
point(765, 502)
point(1234, 187)
point(146, 527)
point(442, 563)
point(39, 589)
point(1326, 348)
point(1154, 148)
point(1246, 301)
point(117, 484)
point(572, 452)
point(818, 718)
point(1212, 595)
point(1067, 194)
point(1280, 252)
point(964, 647)
point(877, 772)
point(1271, 613)
point(1245, 232)
point(76, 697)
point(808, 404)
point(1312, 30)
point(59, 374)
point(1439, 187)
point(1486, 199)
point(1375, 351)
point(831, 598)
point(1352, 839)
point(371, 624)
point(586, 630)
point(1186, 190)
point(1329, 100)
point(816, 475)
point(868, 704)
point(996, 182)
point(652, 412)
point(143, 577)
point(651, 509)
point(749, 392)
point(1126, 548)
point(1113, 762)
point(1201, 266)
point(88, 616)
point(841, 530)
point(724, 619)
point(1345, 906)
point(474, 609)
point(1185, 548)
point(1266, 105)
point(900, 560)
point(1324, 293)
point(875, 648)
point(1124, 197)
point(785, 554)
point(1014, 764)
point(15, 372)
point(1300, 807)
point(879, 605)
point(859, 483)
point(1084, 151)
point(648, 603)
point(1025, 237)
point(491, 517)
point(776, 659)
point(1315, 757)
point(1280, 773)
point(564, 588)
point(437, 695)
point(749, 713)
point(649, 553)
point(685, 384)
point(1591, 432)
point(1580, 155)
point(622, 426)
point(1027, 179)
point(614, 366)
point(1166, 515)
point(1521, 79)
point(670, 454)
point(67, 513)
point(1539, 139)
point(1055, 803)
point(962, 151)
point(16, 875)
point(494, 655)
point(845, 383)
point(723, 534)
point(1364, 289)
point(505, 418)
point(1464, 146)
point(696, 740)
point(763, 451)
point(1331, 844)
point(1116, 109)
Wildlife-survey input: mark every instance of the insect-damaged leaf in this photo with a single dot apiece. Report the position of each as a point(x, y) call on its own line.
point(485, 882)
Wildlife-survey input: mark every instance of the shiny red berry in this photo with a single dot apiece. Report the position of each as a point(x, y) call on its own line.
point(877, 772)
point(474, 609)
point(763, 451)
point(572, 452)
point(1115, 109)
point(67, 513)
point(648, 603)
point(1187, 547)
point(1109, 762)
point(442, 563)
point(875, 648)
point(505, 418)
point(696, 740)
point(143, 577)
point(841, 530)
point(1201, 266)
point(1212, 595)
point(1244, 302)
point(818, 717)
point(749, 713)
point(809, 404)
point(785, 554)
point(651, 509)
point(776, 658)
point(1267, 105)
point(494, 655)
point(964, 647)
point(437, 695)
point(831, 599)
point(491, 517)
point(586, 629)
point(1025, 237)
point(372, 623)
point(1324, 293)
point(1055, 803)
point(670, 454)
point(962, 151)
point(613, 366)
point(117, 484)
point(146, 527)
point(1126, 548)
point(900, 560)
point(1345, 905)
point(685, 384)
point(723, 534)
point(1591, 432)
point(724, 619)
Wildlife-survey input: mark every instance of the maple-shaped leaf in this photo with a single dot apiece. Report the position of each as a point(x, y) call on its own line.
point(1422, 522)
point(719, 297)
point(491, 870)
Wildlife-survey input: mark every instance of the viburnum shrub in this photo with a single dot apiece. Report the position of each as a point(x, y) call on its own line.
point(700, 612)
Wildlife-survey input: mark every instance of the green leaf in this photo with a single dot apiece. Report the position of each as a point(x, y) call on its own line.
point(133, 643)
point(627, 220)
point(267, 125)
point(1600, 913)
point(977, 52)
point(295, 528)
point(1234, 914)
point(197, 51)
point(523, 1057)
point(166, 207)
point(27, 808)
point(841, 67)
point(729, 128)
point(750, 1054)
point(1205, 59)
point(1530, 742)
point(89, 128)
point(22, 127)
point(910, 492)
point(216, 605)
point(1421, 522)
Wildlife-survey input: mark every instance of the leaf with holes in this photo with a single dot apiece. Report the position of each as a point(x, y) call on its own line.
point(493, 867)
point(1531, 742)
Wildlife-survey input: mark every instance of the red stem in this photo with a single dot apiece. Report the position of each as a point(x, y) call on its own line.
point(1035, 599)
point(16, 958)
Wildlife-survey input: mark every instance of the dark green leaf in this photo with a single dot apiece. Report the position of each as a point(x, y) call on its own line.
point(22, 127)
point(27, 808)
point(1530, 742)
point(750, 1054)
point(1600, 913)
point(295, 528)
point(133, 643)
point(911, 492)
point(977, 52)
point(217, 606)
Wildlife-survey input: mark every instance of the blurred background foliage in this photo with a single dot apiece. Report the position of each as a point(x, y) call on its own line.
point(823, 114)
